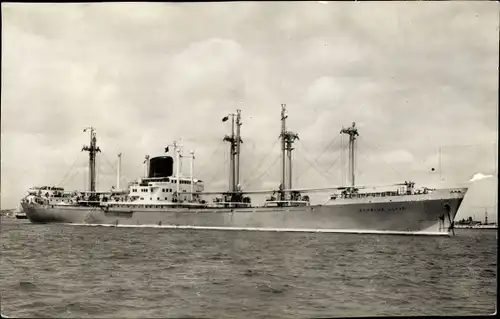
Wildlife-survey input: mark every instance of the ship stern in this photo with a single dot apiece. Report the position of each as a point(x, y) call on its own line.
point(37, 213)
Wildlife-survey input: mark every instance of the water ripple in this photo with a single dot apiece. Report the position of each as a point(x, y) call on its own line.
point(106, 272)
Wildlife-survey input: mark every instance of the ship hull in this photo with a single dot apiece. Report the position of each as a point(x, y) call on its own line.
point(412, 213)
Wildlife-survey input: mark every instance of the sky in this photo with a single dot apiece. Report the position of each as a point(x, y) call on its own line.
point(420, 79)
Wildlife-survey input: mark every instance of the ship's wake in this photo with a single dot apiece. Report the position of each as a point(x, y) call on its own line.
point(303, 230)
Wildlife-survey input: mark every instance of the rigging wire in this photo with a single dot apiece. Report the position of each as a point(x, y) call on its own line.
point(72, 177)
point(265, 173)
point(214, 176)
point(84, 182)
point(390, 166)
point(69, 170)
point(294, 169)
point(268, 153)
point(101, 172)
point(317, 159)
point(216, 173)
point(333, 163)
point(202, 167)
point(313, 166)
point(323, 152)
point(98, 162)
point(114, 169)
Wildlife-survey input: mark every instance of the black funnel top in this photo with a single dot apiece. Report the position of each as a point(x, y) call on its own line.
point(161, 166)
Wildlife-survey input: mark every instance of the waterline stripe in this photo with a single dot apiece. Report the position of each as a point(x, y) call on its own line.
point(304, 230)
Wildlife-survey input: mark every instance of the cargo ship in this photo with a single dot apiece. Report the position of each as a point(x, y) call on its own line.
point(166, 198)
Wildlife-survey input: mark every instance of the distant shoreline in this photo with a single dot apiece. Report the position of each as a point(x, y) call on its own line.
point(476, 226)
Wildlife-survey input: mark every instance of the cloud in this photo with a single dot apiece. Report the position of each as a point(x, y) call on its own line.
point(397, 156)
point(479, 176)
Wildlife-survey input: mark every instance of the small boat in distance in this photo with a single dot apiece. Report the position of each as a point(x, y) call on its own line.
point(19, 213)
point(165, 197)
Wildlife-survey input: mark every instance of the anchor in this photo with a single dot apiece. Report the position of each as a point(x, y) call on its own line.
point(452, 223)
point(441, 223)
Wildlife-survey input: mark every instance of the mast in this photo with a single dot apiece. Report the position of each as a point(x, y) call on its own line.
point(287, 140)
point(352, 132)
point(238, 142)
point(118, 171)
point(146, 166)
point(234, 150)
point(283, 149)
point(177, 166)
point(92, 149)
point(192, 175)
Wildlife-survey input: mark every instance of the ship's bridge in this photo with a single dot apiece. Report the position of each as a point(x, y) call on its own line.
point(160, 183)
point(165, 189)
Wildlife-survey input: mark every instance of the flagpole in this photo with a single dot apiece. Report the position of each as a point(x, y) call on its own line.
point(118, 171)
point(192, 173)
